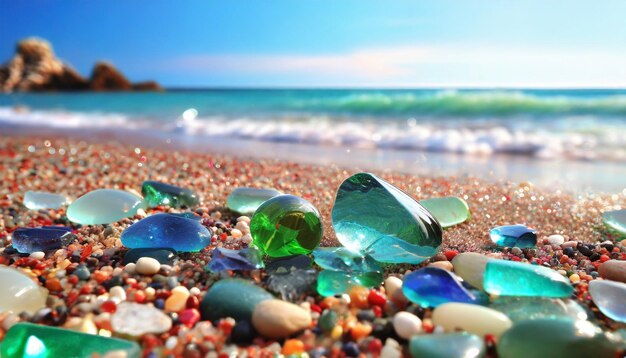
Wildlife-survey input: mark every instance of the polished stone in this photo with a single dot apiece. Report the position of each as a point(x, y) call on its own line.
point(165, 256)
point(342, 259)
point(247, 200)
point(31, 340)
point(475, 319)
point(449, 210)
point(286, 225)
point(616, 220)
point(448, 345)
point(509, 278)
point(524, 308)
point(45, 238)
point(470, 266)
point(20, 292)
point(156, 193)
point(37, 200)
point(432, 286)
point(330, 283)
point(167, 231)
point(237, 260)
point(514, 236)
point(104, 206)
point(373, 217)
point(136, 319)
point(609, 296)
point(234, 298)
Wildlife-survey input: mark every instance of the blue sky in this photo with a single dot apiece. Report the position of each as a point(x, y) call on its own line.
point(334, 43)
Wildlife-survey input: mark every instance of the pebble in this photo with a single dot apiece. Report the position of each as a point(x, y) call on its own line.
point(474, 319)
point(147, 266)
point(391, 349)
point(177, 300)
point(38, 255)
point(130, 268)
point(470, 266)
point(557, 240)
point(407, 324)
point(446, 265)
point(138, 319)
point(613, 270)
point(392, 284)
point(279, 319)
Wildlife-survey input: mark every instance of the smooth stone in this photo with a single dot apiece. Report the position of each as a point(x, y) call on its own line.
point(556, 338)
point(525, 308)
point(135, 319)
point(557, 240)
point(286, 225)
point(509, 278)
point(104, 206)
point(342, 259)
point(514, 236)
point(167, 231)
point(279, 319)
point(406, 324)
point(234, 298)
point(37, 200)
point(448, 345)
point(330, 283)
point(156, 193)
point(432, 286)
point(616, 220)
point(32, 340)
point(237, 260)
point(449, 210)
point(392, 284)
point(373, 217)
point(474, 319)
point(147, 266)
point(328, 320)
point(164, 255)
point(298, 262)
point(45, 238)
point(614, 270)
point(177, 300)
point(609, 296)
point(470, 266)
point(19, 292)
point(292, 285)
point(247, 200)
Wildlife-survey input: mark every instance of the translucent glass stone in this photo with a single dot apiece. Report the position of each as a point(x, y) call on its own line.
point(19, 292)
point(524, 308)
point(242, 260)
point(447, 345)
point(156, 193)
point(36, 200)
point(167, 231)
point(509, 278)
point(286, 225)
point(514, 236)
point(247, 200)
point(374, 217)
point(330, 283)
point(432, 286)
point(449, 210)
point(616, 220)
point(104, 206)
point(342, 259)
point(31, 340)
point(609, 296)
point(28, 240)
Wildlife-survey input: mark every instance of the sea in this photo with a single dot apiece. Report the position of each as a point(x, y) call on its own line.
point(564, 139)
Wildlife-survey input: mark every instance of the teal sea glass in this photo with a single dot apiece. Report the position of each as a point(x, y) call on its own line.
point(616, 220)
point(37, 200)
point(509, 278)
point(247, 200)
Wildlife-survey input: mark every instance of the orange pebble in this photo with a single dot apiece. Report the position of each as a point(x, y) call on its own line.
point(100, 276)
point(360, 330)
point(293, 346)
point(54, 284)
point(329, 302)
point(358, 297)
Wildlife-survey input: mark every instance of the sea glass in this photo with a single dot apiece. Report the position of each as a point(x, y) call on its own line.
point(45, 238)
point(449, 210)
point(167, 231)
point(37, 200)
point(509, 278)
point(447, 345)
point(234, 298)
point(514, 236)
point(242, 260)
point(19, 292)
point(523, 308)
point(104, 206)
point(432, 286)
point(616, 220)
point(342, 259)
point(156, 193)
point(247, 200)
point(609, 296)
point(330, 283)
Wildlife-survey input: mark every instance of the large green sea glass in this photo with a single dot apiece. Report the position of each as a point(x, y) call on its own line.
point(374, 217)
point(449, 210)
point(509, 278)
point(104, 206)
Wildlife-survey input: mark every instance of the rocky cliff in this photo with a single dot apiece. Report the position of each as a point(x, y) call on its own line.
point(34, 67)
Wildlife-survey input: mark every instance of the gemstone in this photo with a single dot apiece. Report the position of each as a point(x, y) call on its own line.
point(163, 255)
point(374, 217)
point(19, 292)
point(514, 236)
point(509, 278)
point(292, 285)
point(104, 206)
point(45, 238)
point(556, 337)
point(288, 263)
point(470, 266)
point(247, 200)
point(449, 210)
point(342, 259)
point(432, 286)
point(471, 318)
point(167, 231)
point(156, 193)
point(286, 225)
point(523, 308)
point(330, 283)
point(234, 298)
point(36, 200)
point(31, 340)
point(616, 220)
point(137, 319)
point(243, 260)
point(447, 345)
point(609, 296)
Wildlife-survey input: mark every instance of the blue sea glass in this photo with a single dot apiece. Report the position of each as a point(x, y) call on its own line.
point(432, 286)
point(167, 231)
point(242, 260)
point(514, 236)
point(609, 296)
point(28, 240)
point(36, 200)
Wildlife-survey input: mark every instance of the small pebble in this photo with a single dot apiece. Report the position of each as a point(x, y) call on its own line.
point(147, 266)
point(407, 324)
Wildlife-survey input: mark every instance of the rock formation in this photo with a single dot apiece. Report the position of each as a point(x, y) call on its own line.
point(34, 67)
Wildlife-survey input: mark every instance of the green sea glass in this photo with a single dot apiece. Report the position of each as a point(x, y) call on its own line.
point(447, 345)
point(31, 340)
point(104, 206)
point(286, 225)
point(156, 193)
point(449, 210)
point(247, 200)
point(616, 220)
point(330, 283)
point(19, 292)
point(509, 278)
point(374, 217)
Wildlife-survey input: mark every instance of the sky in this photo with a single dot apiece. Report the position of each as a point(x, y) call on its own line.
point(333, 43)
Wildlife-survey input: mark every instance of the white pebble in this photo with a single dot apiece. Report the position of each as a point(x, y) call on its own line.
point(391, 349)
point(195, 291)
point(243, 227)
point(118, 293)
point(147, 266)
point(556, 239)
point(407, 324)
point(246, 239)
point(244, 218)
point(236, 234)
point(38, 255)
point(130, 268)
point(171, 342)
point(392, 284)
